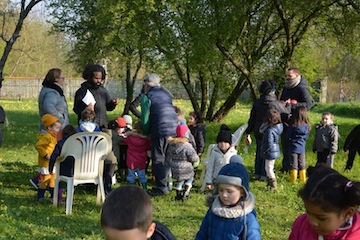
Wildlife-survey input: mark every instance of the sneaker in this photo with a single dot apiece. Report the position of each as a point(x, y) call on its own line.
point(34, 183)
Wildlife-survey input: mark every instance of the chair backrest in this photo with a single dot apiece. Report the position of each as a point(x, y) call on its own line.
point(237, 135)
point(208, 153)
point(87, 149)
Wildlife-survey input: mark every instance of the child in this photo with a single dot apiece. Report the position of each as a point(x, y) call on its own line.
point(231, 214)
point(67, 166)
point(220, 156)
point(137, 147)
point(326, 140)
point(180, 157)
point(132, 220)
point(46, 141)
point(352, 143)
point(297, 134)
point(270, 150)
point(331, 202)
point(197, 129)
point(87, 122)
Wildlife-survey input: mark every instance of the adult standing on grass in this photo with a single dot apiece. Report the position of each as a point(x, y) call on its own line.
point(51, 98)
point(294, 94)
point(92, 94)
point(159, 120)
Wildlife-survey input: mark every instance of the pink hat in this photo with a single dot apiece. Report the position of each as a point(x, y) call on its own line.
point(182, 130)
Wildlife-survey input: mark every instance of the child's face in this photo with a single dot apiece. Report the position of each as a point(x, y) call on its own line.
point(324, 222)
point(224, 146)
point(131, 234)
point(192, 121)
point(55, 128)
point(229, 194)
point(326, 119)
point(120, 130)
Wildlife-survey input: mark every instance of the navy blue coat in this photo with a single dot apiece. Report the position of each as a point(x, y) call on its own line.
point(270, 149)
point(297, 136)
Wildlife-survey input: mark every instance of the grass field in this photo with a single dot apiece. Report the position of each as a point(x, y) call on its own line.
point(22, 217)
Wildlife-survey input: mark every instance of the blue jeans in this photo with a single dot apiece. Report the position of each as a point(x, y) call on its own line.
point(131, 177)
point(179, 185)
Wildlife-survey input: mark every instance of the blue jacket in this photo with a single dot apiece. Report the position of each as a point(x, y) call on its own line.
point(158, 113)
point(297, 136)
point(270, 149)
point(228, 223)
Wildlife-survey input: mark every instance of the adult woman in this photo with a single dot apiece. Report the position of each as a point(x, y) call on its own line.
point(51, 98)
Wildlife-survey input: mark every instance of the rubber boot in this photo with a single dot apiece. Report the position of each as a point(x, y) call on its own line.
point(272, 184)
point(179, 195)
point(51, 190)
point(41, 193)
point(302, 176)
point(293, 176)
point(187, 191)
point(144, 185)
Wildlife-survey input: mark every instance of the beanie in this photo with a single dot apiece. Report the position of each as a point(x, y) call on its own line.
point(235, 174)
point(48, 119)
point(182, 130)
point(121, 122)
point(153, 80)
point(236, 159)
point(224, 135)
point(127, 119)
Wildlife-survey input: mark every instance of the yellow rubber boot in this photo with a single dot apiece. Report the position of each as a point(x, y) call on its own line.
point(302, 175)
point(293, 176)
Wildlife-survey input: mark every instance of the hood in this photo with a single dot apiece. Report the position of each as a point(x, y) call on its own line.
point(303, 129)
point(233, 212)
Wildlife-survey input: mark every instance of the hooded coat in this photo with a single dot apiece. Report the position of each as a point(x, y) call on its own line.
point(270, 144)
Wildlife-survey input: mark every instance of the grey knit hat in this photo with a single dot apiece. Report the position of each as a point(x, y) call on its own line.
point(153, 80)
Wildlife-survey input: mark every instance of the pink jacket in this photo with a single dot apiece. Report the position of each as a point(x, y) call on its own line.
point(302, 230)
point(138, 145)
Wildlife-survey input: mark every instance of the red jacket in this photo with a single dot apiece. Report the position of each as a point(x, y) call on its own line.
point(302, 230)
point(138, 145)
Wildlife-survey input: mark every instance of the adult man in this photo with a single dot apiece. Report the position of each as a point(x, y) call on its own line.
point(159, 120)
point(294, 94)
point(94, 74)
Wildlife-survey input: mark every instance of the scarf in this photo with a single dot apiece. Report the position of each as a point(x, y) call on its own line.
point(53, 86)
point(292, 83)
point(87, 126)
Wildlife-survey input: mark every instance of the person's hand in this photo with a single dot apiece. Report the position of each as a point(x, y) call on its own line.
point(209, 186)
point(91, 106)
point(115, 101)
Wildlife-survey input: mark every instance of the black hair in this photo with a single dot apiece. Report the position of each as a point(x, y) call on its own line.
point(266, 86)
point(89, 70)
point(127, 207)
point(113, 125)
point(330, 190)
point(197, 116)
point(67, 131)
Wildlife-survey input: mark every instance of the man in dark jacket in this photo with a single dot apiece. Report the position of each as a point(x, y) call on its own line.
point(352, 143)
point(159, 120)
point(294, 94)
point(94, 74)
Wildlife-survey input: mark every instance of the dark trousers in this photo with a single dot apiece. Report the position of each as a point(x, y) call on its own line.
point(351, 157)
point(298, 161)
point(285, 150)
point(322, 157)
point(158, 151)
point(259, 160)
point(109, 170)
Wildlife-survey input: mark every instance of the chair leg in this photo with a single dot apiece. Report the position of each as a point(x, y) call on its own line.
point(203, 179)
point(56, 190)
point(69, 197)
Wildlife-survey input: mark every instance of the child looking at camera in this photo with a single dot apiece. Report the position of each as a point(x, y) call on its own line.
point(331, 202)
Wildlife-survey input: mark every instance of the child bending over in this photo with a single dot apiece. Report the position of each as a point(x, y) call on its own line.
point(331, 201)
point(231, 214)
point(127, 215)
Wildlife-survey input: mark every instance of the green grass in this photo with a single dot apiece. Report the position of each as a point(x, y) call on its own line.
point(22, 217)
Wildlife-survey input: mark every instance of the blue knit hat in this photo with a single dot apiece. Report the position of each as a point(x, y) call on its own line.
point(235, 174)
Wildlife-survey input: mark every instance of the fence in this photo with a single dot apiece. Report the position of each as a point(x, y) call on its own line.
point(30, 88)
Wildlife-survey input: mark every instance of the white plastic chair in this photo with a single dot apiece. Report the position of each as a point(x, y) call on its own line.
point(89, 151)
point(237, 135)
point(202, 182)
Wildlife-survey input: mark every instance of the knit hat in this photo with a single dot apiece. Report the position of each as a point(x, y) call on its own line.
point(224, 135)
point(121, 122)
point(182, 130)
point(153, 80)
point(236, 159)
point(235, 174)
point(127, 119)
point(48, 120)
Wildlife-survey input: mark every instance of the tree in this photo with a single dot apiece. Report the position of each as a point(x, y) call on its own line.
point(10, 10)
